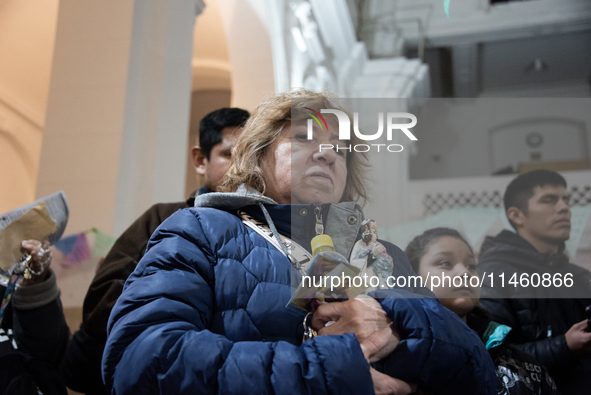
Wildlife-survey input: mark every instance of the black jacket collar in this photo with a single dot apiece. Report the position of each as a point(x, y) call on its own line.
point(512, 248)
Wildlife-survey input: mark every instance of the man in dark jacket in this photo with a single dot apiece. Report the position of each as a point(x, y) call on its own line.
point(547, 316)
point(218, 131)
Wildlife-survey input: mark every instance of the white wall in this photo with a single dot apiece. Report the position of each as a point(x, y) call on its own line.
point(27, 34)
point(454, 135)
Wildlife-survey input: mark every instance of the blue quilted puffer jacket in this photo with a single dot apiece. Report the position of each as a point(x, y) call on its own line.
point(205, 312)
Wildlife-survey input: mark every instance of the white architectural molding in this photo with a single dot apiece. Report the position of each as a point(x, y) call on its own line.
point(473, 21)
point(336, 26)
point(277, 26)
point(329, 56)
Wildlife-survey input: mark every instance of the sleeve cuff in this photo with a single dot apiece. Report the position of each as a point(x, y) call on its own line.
point(345, 368)
point(563, 355)
point(37, 295)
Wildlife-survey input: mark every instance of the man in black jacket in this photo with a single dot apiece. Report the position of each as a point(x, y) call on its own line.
point(81, 368)
point(543, 297)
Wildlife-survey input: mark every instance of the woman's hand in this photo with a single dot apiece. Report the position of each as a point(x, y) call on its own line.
point(40, 260)
point(386, 385)
point(362, 316)
point(383, 384)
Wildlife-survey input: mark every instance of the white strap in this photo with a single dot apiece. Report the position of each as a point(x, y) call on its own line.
point(298, 255)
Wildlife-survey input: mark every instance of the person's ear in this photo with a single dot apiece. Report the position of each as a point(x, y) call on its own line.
point(516, 216)
point(199, 160)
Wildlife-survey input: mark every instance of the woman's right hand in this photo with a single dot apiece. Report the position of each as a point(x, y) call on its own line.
point(362, 316)
point(382, 383)
point(386, 385)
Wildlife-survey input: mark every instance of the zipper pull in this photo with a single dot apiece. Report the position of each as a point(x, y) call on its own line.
point(319, 225)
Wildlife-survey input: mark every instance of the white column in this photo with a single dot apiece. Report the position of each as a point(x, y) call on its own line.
point(152, 166)
point(249, 47)
point(118, 108)
point(336, 26)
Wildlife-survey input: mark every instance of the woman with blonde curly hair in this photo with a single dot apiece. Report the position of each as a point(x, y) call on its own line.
point(207, 308)
point(266, 125)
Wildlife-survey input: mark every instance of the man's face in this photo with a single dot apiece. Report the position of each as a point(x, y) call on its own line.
point(548, 216)
point(214, 168)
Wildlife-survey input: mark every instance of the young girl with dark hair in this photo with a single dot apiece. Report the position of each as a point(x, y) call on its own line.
point(443, 252)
